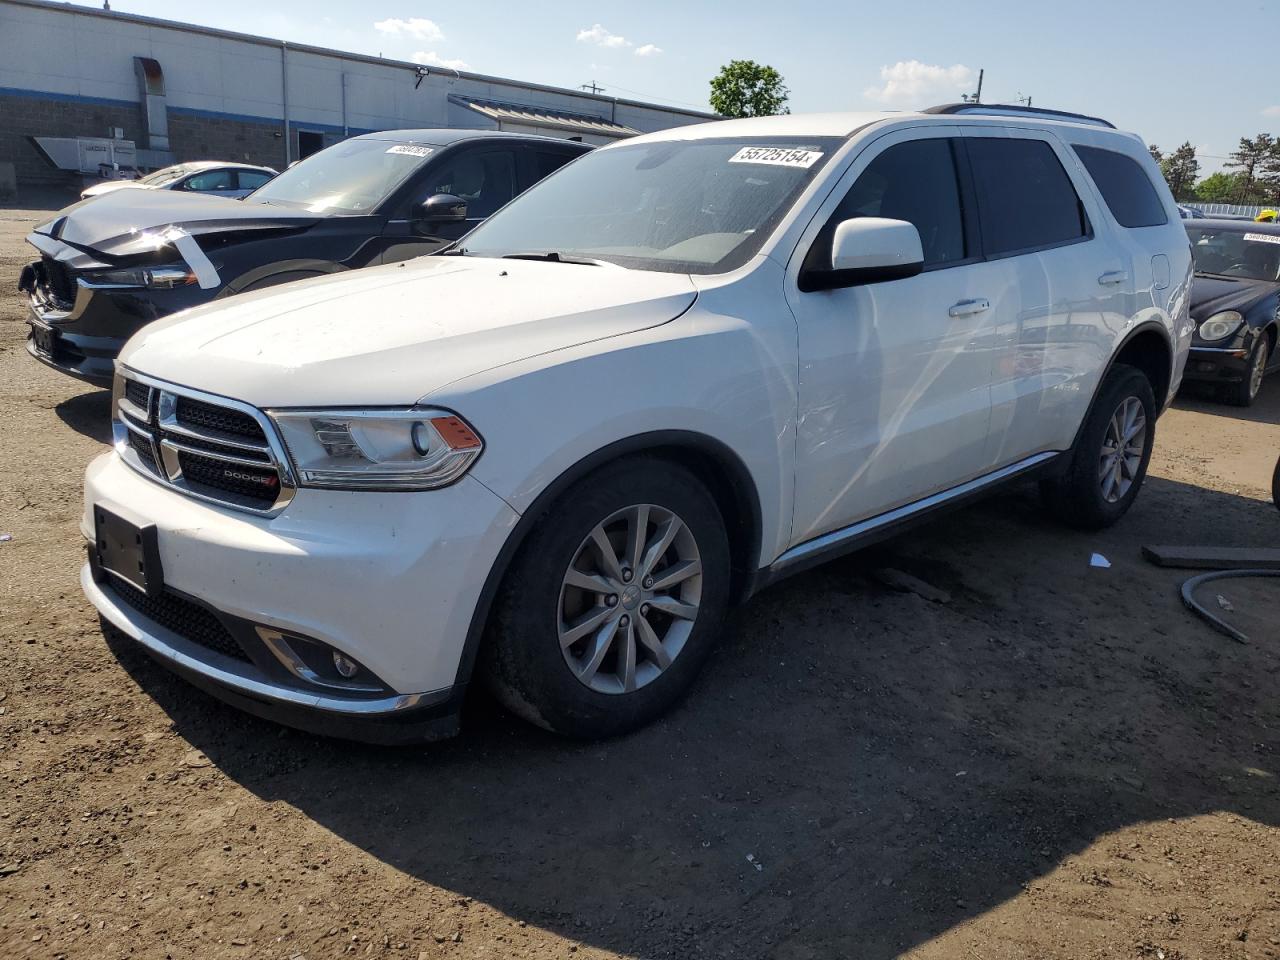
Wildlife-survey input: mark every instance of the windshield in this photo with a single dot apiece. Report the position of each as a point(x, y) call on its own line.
point(691, 206)
point(351, 177)
point(1243, 253)
point(167, 175)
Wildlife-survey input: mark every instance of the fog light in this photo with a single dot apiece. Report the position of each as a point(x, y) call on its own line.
point(346, 668)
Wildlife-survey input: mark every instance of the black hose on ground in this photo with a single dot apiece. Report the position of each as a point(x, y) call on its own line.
point(1189, 589)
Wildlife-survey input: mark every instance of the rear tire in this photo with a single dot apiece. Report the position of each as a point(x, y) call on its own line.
point(1243, 394)
point(598, 630)
point(1109, 461)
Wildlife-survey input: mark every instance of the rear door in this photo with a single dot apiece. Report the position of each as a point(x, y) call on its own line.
point(248, 181)
point(1069, 286)
point(542, 160)
point(894, 398)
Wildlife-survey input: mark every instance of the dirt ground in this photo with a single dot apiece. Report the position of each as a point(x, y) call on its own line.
point(1054, 761)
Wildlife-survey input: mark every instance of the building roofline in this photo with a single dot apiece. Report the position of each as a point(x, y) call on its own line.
point(66, 7)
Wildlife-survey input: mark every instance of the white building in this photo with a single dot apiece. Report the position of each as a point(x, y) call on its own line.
point(184, 92)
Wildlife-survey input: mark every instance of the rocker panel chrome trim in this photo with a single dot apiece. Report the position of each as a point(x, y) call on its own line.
point(854, 532)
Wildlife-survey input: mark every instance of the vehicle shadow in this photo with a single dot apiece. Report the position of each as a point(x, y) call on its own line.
point(1203, 399)
point(857, 772)
point(88, 414)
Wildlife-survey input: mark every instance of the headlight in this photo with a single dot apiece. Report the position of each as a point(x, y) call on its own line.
point(377, 449)
point(153, 277)
point(1221, 325)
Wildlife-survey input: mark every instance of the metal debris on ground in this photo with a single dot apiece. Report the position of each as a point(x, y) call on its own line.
point(1188, 597)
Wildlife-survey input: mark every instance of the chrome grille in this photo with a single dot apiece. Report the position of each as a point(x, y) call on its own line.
point(209, 447)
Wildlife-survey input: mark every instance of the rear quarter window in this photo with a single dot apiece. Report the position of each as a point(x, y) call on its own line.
point(1125, 186)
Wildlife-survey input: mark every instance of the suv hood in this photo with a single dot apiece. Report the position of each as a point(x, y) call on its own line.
point(118, 223)
point(395, 334)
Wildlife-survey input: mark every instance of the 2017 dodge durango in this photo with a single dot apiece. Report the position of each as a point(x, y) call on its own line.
point(675, 371)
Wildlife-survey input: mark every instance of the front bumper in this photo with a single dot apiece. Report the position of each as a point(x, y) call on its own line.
point(1217, 364)
point(83, 340)
point(388, 579)
point(394, 719)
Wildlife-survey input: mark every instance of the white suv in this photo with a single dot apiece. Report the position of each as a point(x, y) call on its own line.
point(682, 367)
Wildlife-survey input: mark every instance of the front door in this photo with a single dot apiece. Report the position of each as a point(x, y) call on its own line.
point(485, 177)
point(894, 398)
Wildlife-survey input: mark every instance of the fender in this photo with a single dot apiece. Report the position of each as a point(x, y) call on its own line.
point(312, 268)
point(737, 482)
point(1062, 462)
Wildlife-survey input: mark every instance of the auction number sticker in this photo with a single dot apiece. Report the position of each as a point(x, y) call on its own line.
point(411, 149)
point(777, 156)
point(1263, 237)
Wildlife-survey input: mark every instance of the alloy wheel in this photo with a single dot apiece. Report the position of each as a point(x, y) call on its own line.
point(1122, 449)
point(1258, 370)
point(629, 599)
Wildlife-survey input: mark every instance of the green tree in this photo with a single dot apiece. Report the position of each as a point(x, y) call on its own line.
point(1269, 174)
point(1220, 187)
point(1156, 153)
point(1256, 159)
point(1180, 170)
point(745, 88)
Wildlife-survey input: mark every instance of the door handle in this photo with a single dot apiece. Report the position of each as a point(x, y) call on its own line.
point(1113, 276)
point(967, 308)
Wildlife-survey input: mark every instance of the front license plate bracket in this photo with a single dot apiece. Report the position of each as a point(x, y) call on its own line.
point(129, 550)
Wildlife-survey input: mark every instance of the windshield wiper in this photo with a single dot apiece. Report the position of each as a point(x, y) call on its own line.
point(453, 252)
point(553, 256)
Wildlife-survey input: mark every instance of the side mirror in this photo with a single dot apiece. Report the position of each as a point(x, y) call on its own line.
point(867, 250)
point(443, 208)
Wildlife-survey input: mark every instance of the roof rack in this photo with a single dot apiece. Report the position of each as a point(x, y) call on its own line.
point(1017, 110)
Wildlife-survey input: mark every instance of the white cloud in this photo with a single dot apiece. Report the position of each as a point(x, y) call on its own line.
point(602, 37)
point(1271, 111)
point(432, 59)
point(912, 83)
point(418, 27)
point(648, 50)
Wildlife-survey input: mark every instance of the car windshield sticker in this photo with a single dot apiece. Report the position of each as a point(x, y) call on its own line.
point(777, 156)
point(412, 149)
point(1263, 237)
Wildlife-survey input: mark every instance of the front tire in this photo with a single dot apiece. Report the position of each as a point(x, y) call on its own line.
point(1109, 461)
point(613, 603)
point(1243, 394)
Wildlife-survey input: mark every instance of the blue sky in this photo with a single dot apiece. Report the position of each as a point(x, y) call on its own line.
point(1171, 70)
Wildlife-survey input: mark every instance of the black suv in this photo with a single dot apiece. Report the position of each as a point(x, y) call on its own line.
point(112, 264)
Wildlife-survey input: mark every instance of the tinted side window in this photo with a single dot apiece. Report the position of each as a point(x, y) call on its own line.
point(210, 180)
point(252, 179)
point(1125, 186)
point(485, 180)
point(545, 163)
point(1025, 198)
point(914, 181)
